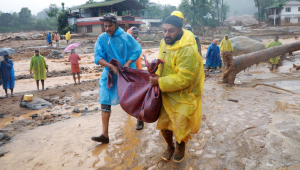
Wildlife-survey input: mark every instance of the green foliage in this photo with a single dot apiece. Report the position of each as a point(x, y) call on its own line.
point(52, 11)
point(90, 2)
point(23, 21)
point(63, 6)
point(62, 23)
point(25, 16)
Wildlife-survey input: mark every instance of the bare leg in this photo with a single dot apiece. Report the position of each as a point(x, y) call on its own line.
point(105, 122)
point(12, 92)
point(38, 84)
point(6, 92)
point(220, 69)
point(207, 71)
point(43, 83)
point(74, 78)
point(78, 74)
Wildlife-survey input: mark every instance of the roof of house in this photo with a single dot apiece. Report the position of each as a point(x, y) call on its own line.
point(276, 6)
point(292, 3)
point(118, 5)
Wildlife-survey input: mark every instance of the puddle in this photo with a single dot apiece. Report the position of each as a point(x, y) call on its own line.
point(292, 85)
point(7, 121)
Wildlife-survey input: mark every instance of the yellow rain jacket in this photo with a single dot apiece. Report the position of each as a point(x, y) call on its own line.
point(226, 45)
point(68, 35)
point(274, 44)
point(181, 82)
point(38, 66)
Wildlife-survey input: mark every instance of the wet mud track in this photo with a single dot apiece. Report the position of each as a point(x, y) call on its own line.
point(257, 132)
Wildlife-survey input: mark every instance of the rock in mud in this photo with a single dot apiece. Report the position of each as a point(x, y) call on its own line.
point(4, 137)
point(55, 55)
point(76, 110)
point(36, 104)
point(244, 45)
point(1, 115)
point(34, 116)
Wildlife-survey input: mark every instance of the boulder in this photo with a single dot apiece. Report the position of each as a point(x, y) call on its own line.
point(36, 104)
point(55, 54)
point(244, 45)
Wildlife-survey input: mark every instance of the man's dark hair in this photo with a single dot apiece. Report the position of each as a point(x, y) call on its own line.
point(36, 51)
point(174, 20)
point(110, 18)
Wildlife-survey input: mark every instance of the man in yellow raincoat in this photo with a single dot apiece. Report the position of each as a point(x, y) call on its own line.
point(274, 61)
point(38, 66)
point(196, 44)
point(68, 36)
point(181, 80)
point(226, 45)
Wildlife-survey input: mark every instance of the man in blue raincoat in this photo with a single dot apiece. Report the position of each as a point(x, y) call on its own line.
point(49, 39)
point(113, 44)
point(8, 75)
point(213, 58)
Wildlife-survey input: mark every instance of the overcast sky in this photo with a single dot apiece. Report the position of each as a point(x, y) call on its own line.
point(38, 5)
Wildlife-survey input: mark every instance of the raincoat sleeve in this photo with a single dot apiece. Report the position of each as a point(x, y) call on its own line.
point(269, 45)
point(44, 61)
point(136, 49)
point(99, 52)
point(31, 64)
point(208, 52)
point(10, 64)
point(221, 44)
point(185, 67)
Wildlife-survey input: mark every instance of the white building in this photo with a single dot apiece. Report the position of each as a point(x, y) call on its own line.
point(284, 14)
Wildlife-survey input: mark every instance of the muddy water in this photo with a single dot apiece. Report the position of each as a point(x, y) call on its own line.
point(257, 132)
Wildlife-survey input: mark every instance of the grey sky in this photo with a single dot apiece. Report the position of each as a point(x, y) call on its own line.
point(38, 5)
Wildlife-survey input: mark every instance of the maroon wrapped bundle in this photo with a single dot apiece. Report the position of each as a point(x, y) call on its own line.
point(136, 96)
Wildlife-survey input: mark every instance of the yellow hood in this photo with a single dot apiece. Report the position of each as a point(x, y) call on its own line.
point(185, 40)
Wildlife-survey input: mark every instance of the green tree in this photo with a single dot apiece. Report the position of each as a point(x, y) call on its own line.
point(63, 6)
point(6, 20)
point(62, 23)
point(25, 16)
point(52, 11)
point(90, 2)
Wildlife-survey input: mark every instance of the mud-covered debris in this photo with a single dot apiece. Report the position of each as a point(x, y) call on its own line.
point(232, 100)
point(76, 110)
point(34, 116)
point(1, 115)
point(35, 104)
point(55, 55)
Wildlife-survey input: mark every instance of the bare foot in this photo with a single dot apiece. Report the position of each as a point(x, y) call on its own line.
point(76, 83)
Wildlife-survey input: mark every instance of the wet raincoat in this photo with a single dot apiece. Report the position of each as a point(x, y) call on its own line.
point(213, 58)
point(274, 44)
point(226, 45)
point(8, 74)
point(68, 35)
point(181, 82)
point(49, 37)
point(122, 47)
point(138, 62)
point(192, 34)
point(38, 66)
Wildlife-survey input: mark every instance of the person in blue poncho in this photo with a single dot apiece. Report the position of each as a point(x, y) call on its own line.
point(113, 44)
point(213, 58)
point(8, 75)
point(49, 39)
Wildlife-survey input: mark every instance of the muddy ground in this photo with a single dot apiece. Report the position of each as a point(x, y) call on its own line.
point(259, 131)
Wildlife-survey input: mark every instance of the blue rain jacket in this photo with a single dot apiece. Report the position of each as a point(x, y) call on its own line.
point(49, 37)
point(8, 74)
point(213, 58)
point(122, 47)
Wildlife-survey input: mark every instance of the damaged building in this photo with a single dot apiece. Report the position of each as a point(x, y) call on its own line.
point(87, 17)
point(287, 13)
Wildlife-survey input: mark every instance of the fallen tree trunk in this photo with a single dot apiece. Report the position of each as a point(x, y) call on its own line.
point(247, 60)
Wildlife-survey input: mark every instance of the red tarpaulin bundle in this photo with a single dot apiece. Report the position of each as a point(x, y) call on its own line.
point(136, 96)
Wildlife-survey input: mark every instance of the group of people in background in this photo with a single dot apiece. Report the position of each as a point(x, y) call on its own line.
point(57, 38)
point(213, 54)
point(38, 68)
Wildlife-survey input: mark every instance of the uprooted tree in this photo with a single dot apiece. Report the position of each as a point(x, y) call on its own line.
point(235, 65)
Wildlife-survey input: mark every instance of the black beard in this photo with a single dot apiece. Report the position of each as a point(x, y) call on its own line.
point(175, 39)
